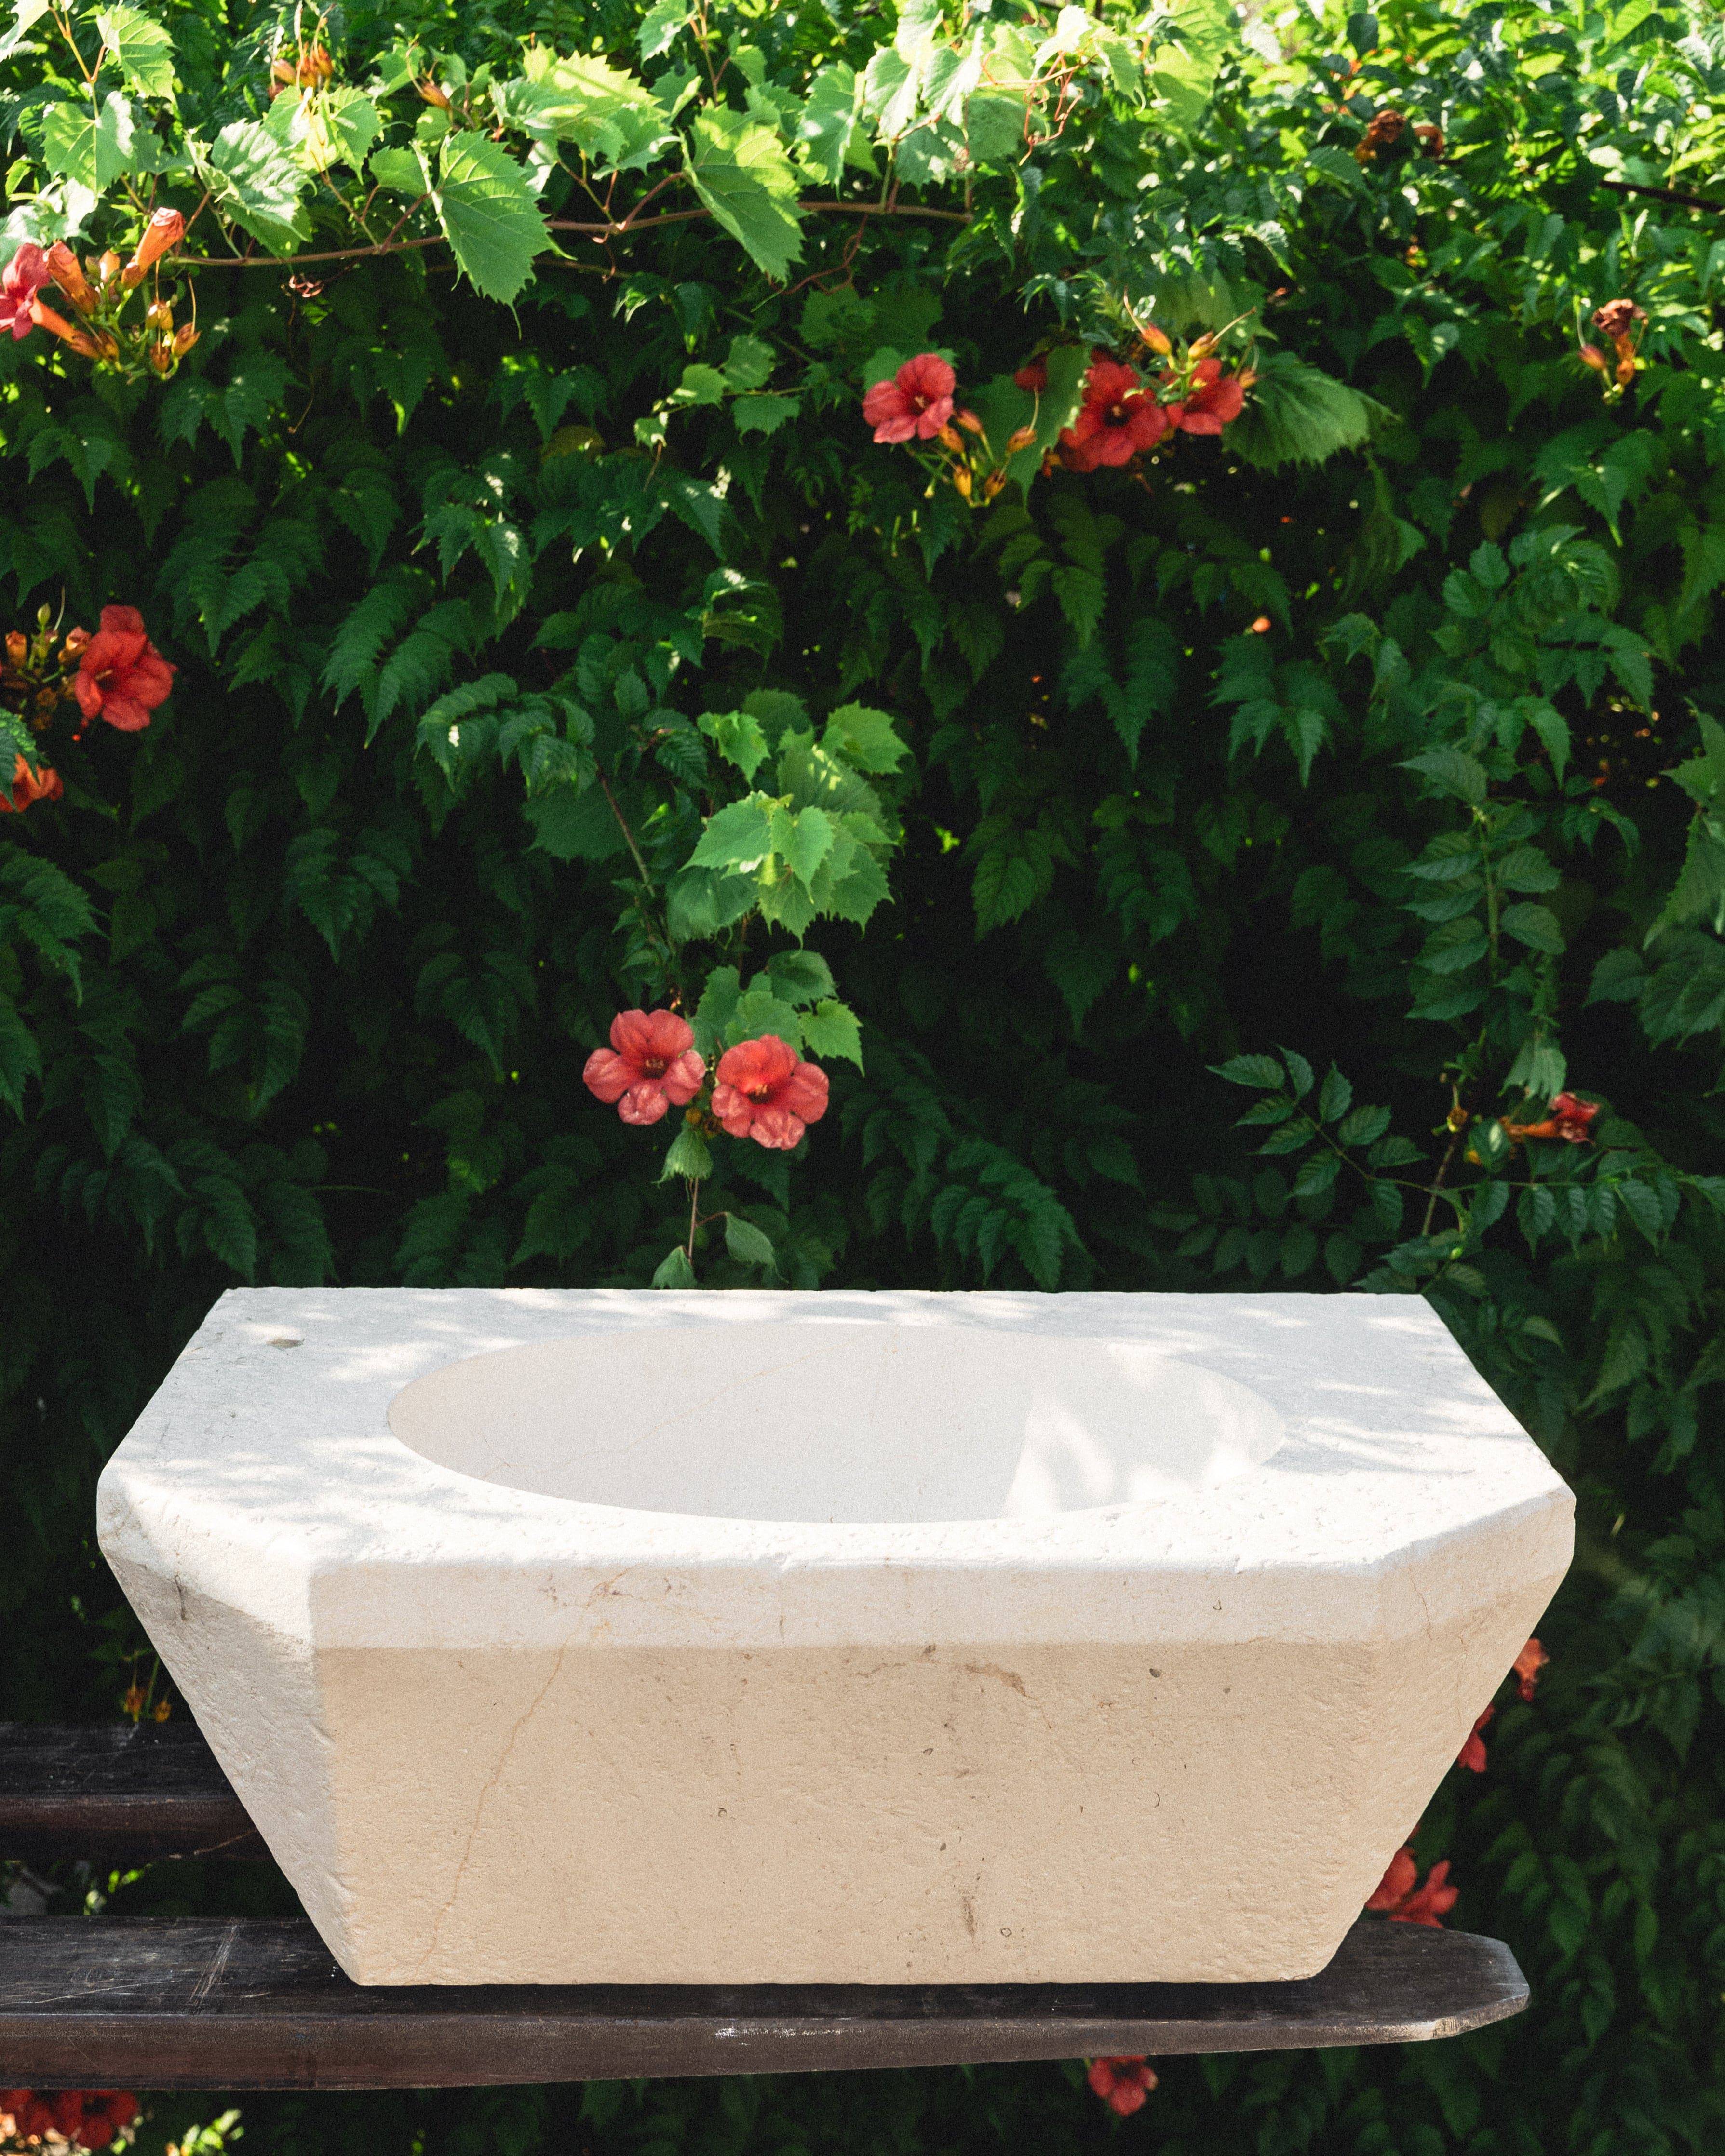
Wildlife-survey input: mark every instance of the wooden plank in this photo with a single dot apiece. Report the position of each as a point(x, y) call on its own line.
point(152, 1790)
point(194, 2004)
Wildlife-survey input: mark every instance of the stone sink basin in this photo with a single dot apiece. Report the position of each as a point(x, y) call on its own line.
point(559, 1637)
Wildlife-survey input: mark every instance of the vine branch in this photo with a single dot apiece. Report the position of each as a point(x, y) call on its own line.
point(616, 229)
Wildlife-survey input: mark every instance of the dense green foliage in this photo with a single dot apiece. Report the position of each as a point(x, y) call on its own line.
point(1385, 726)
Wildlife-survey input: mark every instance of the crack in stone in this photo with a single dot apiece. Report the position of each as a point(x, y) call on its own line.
point(479, 1811)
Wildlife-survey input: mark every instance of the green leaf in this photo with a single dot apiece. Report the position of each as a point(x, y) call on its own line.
point(1363, 1127)
point(1451, 771)
point(825, 125)
point(1527, 869)
point(758, 1012)
point(746, 1243)
point(864, 738)
point(1334, 1100)
point(575, 826)
point(484, 202)
point(739, 837)
point(799, 977)
point(26, 15)
point(763, 415)
point(689, 1155)
point(1535, 926)
point(1263, 1071)
point(833, 1029)
point(749, 364)
point(1294, 415)
point(1300, 1076)
point(675, 1270)
point(738, 739)
point(700, 385)
point(94, 153)
point(659, 26)
point(399, 171)
point(255, 183)
point(740, 171)
point(803, 840)
point(610, 116)
point(143, 50)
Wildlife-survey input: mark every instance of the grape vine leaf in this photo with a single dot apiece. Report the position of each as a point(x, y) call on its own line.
point(484, 204)
point(741, 172)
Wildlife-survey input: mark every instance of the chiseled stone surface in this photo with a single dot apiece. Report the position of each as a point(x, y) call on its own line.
point(557, 1636)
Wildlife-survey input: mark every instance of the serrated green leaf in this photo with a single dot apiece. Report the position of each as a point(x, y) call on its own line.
point(689, 1155)
point(739, 837)
point(1452, 771)
point(740, 171)
point(864, 738)
point(94, 152)
point(485, 204)
point(674, 1270)
point(824, 124)
point(738, 737)
point(610, 116)
point(1300, 1076)
point(1535, 926)
point(254, 181)
point(1260, 1070)
point(833, 1029)
point(1364, 1126)
point(142, 50)
point(1336, 1096)
point(746, 1243)
point(26, 15)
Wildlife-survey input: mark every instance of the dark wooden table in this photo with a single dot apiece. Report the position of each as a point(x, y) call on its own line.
point(196, 2003)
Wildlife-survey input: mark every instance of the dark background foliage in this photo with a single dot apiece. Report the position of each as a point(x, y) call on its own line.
point(289, 1007)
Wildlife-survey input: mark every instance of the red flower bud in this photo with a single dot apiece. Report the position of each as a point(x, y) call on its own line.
point(1157, 340)
point(1020, 438)
point(1591, 355)
point(64, 268)
point(166, 229)
point(184, 339)
point(46, 318)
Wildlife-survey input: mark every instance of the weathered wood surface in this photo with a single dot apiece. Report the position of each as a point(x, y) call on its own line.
point(195, 2004)
point(149, 1791)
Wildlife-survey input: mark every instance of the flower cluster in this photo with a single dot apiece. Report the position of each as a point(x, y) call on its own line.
point(1621, 322)
point(1386, 131)
point(1122, 2084)
point(761, 1089)
point(919, 404)
point(98, 290)
point(50, 2119)
point(1400, 1895)
point(1124, 414)
point(117, 675)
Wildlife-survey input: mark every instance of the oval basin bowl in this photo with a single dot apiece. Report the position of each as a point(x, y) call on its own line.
point(839, 1422)
point(618, 1637)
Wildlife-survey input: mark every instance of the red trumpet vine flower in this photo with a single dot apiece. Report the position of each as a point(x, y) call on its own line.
point(29, 786)
point(121, 676)
point(651, 1066)
point(1118, 418)
point(1122, 2084)
point(765, 1091)
point(917, 402)
point(25, 276)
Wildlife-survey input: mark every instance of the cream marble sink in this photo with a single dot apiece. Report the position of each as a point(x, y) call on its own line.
point(602, 1637)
